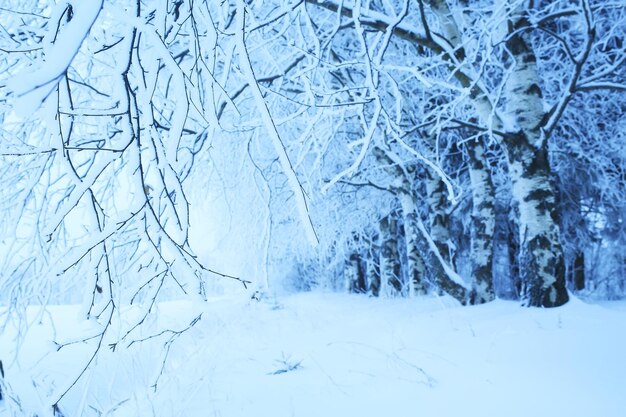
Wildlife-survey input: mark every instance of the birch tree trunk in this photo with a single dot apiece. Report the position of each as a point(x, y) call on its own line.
point(541, 260)
point(541, 263)
point(482, 225)
point(438, 219)
point(353, 273)
point(440, 273)
point(416, 269)
point(372, 270)
point(425, 252)
point(390, 279)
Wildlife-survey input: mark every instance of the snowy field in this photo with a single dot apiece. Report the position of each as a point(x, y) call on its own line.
point(319, 354)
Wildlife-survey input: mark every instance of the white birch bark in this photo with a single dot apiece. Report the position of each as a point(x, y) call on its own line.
point(438, 219)
point(373, 277)
point(351, 273)
point(541, 263)
point(354, 277)
point(541, 260)
point(372, 269)
point(437, 269)
point(416, 269)
point(390, 280)
point(483, 224)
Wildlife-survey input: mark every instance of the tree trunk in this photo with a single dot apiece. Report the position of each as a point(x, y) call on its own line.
point(513, 251)
point(438, 274)
point(482, 225)
point(353, 274)
point(372, 271)
point(432, 257)
point(1, 378)
point(416, 269)
point(389, 256)
point(578, 271)
point(438, 220)
point(541, 262)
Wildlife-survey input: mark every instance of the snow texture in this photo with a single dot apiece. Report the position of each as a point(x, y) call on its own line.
point(333, 355)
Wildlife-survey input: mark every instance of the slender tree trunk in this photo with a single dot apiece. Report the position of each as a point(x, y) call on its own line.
point(416, 269)
point(483, 224)
point(432, 257)
point(578, 271)
point(438, 219)
point(437, 273)
point(439, 253)
point(372, 270)
point(1, 378)
point(353, 274)
point(389, 256)
point(513, 251)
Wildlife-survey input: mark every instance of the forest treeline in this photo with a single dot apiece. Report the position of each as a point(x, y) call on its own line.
point(500, 149)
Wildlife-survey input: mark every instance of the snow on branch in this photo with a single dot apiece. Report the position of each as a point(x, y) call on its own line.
point(270, 126)
point(75, 19)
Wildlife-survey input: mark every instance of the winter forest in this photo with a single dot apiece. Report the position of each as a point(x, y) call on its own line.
point(312, 207)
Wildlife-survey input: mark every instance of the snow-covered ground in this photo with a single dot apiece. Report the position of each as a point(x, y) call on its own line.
point(323, 354)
